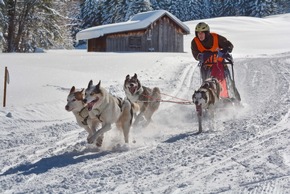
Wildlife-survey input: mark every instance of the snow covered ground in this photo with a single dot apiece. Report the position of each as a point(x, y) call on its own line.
point(43, 150)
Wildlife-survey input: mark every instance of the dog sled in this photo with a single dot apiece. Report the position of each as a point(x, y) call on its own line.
point(217, 65)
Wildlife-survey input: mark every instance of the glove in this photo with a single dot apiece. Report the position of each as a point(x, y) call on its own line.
point(200, 57)
point(222, 53)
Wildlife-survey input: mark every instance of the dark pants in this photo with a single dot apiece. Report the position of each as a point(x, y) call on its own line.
point(205, 72)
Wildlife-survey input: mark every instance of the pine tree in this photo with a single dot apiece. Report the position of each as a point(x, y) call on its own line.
point(75, 19)
point(35, 23)
point(2, 23)
point(136, 6)
point(262, 8)
point(161, 4)
point(91, 14)
point(178, 9)
point(112, 11)
point(283, 6)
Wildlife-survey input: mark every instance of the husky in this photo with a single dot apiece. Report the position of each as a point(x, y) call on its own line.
point(206, 98)
point(107, 109)
point(76, 105)
point(147, 99)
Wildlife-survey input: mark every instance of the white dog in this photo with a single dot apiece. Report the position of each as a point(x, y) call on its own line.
point(107, 109)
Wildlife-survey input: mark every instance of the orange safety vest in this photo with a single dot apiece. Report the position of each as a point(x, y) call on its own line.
point(214, 48)
point(214, 60)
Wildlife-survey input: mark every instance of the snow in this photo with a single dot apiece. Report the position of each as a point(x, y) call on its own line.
point(43, 150)
point(139, 21)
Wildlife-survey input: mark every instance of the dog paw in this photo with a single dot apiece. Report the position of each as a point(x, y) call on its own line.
point(91, 139)
point(99, 144)
point(99, 141)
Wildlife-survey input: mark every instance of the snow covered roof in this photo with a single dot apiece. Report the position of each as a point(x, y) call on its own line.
point(137, 22)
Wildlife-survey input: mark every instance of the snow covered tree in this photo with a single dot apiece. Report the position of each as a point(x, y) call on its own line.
point(118, 12)
point(2, 22)
point(35, 23)
point(74, 15)
point(133, 7)
point(161, 4)
point(91, 13)
point(178, 8)
point(283, 6)
point(202, 9)
point(222, 8)
point(261, 8)
point(113, 11)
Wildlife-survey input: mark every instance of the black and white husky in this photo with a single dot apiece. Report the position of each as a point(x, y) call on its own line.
point(206, 98)
point(148, 99)
point(107, 109)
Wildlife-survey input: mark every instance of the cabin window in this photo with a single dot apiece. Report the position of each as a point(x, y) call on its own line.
point(134, 41)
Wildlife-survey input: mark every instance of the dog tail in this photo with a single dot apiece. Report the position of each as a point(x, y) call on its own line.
point(135, 108)
point(129, 110)
point(125, 119)
point(156, 97)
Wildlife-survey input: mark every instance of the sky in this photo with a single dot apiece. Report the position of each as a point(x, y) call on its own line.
point(43, 150)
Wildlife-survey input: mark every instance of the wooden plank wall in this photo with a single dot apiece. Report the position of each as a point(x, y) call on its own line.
point(164, 35)
point(97, 44)
point(167, 36)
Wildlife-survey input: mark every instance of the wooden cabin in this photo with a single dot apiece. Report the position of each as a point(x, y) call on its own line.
point(152, 31)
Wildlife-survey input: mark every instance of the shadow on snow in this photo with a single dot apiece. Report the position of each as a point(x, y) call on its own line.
point(180, 136)
point(57, 161)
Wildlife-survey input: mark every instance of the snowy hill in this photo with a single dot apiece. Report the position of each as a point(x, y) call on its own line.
point(43, 150)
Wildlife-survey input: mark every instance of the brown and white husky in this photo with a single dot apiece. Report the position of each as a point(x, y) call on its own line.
point(76, 105)
point(148, 99)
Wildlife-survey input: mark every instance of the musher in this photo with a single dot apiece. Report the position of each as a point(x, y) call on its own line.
point(211, 48)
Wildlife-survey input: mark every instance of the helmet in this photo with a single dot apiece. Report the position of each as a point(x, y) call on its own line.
point(202, 27)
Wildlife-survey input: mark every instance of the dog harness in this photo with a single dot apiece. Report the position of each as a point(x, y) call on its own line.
point(118, 100)
point(85, 115)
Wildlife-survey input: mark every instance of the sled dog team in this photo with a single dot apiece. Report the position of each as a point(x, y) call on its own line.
point(96, 110)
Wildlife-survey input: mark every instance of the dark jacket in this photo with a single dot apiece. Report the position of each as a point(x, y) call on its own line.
point(223, 43)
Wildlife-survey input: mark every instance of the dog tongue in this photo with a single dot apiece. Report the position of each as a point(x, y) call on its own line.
point(132, 90)
point(199, 109)
point(90, 106)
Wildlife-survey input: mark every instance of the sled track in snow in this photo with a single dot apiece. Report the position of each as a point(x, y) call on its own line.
point(248, 137)
point(243, 155)
point(184, 82)
point(255, 135)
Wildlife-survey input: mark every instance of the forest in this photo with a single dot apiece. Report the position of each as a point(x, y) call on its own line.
point(26, 25)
